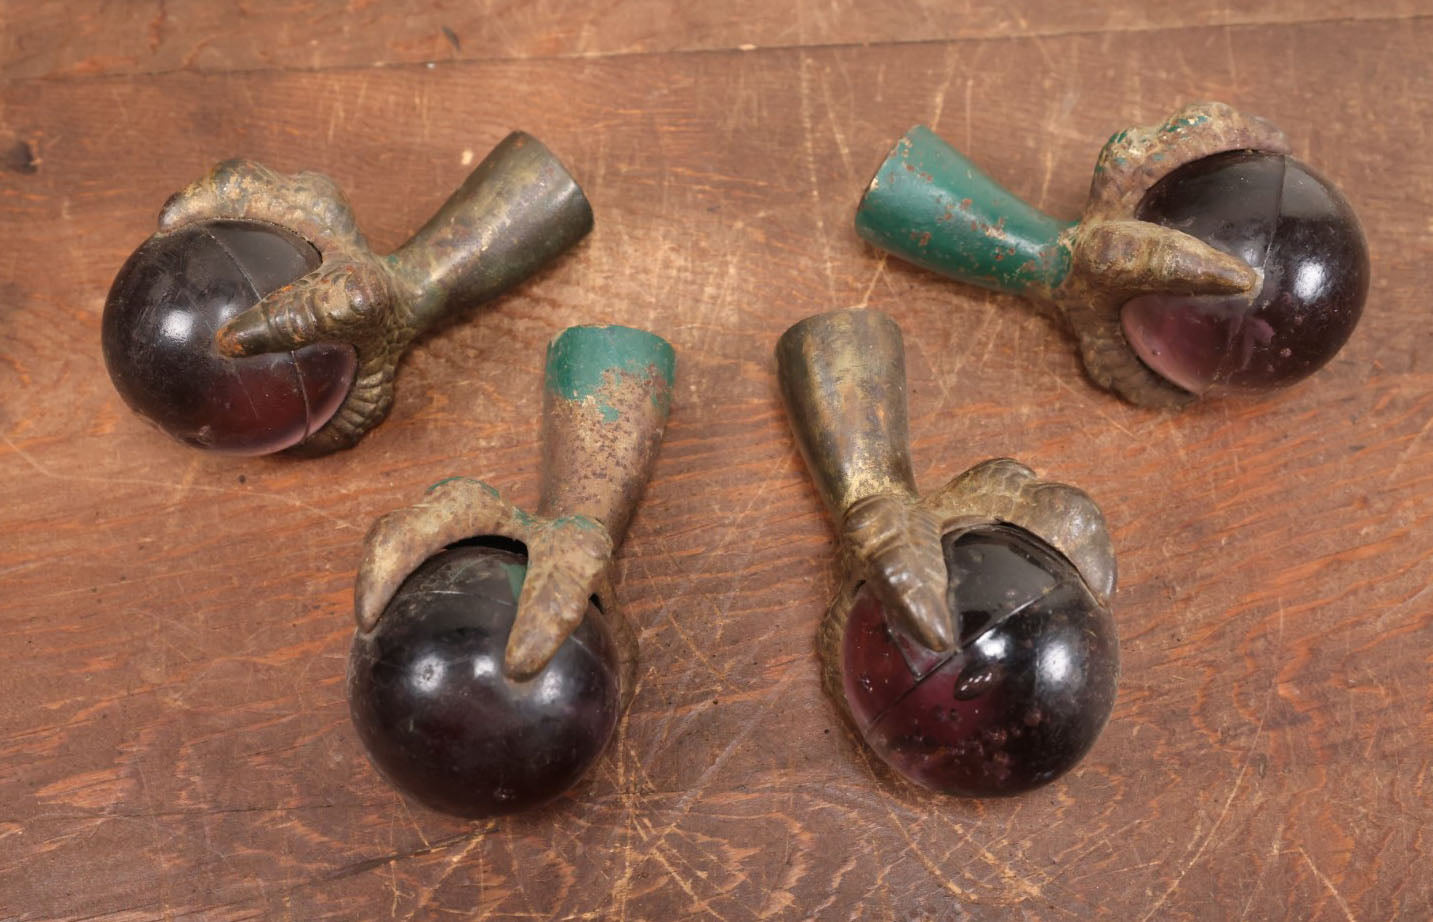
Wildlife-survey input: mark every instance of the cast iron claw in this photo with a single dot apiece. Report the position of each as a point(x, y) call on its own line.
point(518, 210)
point(842, 377)
point(930, 205)
point(606, 401)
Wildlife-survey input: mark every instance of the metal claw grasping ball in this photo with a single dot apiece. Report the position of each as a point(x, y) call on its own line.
point(1206, 258)
point(971, 643)
point(258, 318)
point(491, 660)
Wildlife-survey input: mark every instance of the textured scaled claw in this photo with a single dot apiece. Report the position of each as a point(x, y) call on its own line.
point(899, 544)
point(1063, 516)
point(343, 301)
point(568, 560)
point(338, 302)
point(367, 405)
point(399, 542)
point(1135, 159)
point(982, 486)
point(226, 191)
point(310, 204)
point(1128, 258)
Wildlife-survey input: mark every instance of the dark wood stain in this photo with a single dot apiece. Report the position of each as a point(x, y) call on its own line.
point(20, 158)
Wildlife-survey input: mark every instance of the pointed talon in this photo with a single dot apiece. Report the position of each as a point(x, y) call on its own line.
point(1073, 524)
point(268, 326)
point(900, 545)
point(224, 192)
point(400, 541)
point(285, 319)
point(567, 560)
point(1128, 258)
point(920, 606)
point(187, 206)
point(539, 633)
point(338, 302)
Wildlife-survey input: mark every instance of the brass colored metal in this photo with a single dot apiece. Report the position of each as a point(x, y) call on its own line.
point(606, 405)
point(842, 377)
point(518, 210)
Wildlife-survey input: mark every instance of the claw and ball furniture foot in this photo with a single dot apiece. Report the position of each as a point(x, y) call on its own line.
point(257, 319)
point(491, 661)
point(971, 643)
point(1207, 258)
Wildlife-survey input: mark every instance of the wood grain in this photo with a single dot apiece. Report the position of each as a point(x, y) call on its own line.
point(47, 38)
point(174, 742)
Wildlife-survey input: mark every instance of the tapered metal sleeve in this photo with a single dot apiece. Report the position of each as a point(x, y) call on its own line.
point(930, 205)
point(517, 211)
point(608, 394)
point(843, 379)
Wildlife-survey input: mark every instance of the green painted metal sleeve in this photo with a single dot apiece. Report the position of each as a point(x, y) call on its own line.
point(931, 206)
point(579, 359)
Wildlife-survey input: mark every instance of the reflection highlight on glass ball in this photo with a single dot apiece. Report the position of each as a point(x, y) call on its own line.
point(1284, 220)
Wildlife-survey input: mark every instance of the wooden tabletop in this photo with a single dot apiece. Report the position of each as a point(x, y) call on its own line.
point(174, 738)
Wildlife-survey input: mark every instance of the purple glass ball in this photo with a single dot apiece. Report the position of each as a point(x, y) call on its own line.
point(443, 722)
point(158, 329)
point(1280, 217)
point(1023, 696)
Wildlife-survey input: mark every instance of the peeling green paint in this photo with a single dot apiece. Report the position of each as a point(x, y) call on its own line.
point(930, 205)
point(1179, 123)
point(582, 363)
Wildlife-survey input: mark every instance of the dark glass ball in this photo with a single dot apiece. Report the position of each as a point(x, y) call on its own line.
point(440, 719)
point(1021, 699)
point(1279, 216)
point(159, 322)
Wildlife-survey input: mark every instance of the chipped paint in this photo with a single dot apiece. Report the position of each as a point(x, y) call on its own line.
point(584, 364)
point(930, 205)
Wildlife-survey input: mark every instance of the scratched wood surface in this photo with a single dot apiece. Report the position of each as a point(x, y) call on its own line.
point(174, 742)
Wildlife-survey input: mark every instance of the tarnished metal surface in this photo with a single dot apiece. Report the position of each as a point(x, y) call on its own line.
point(608, 395)
point(842, 377)
point(518, 210)
point(957, 221)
